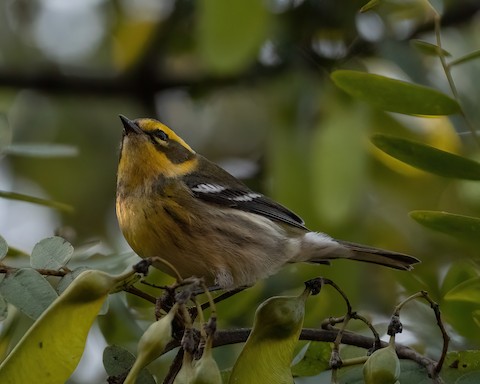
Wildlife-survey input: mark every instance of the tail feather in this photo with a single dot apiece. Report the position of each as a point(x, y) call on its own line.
point(320, 248)
point(379, 256)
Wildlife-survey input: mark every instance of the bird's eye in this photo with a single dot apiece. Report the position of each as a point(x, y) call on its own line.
point(160, 134)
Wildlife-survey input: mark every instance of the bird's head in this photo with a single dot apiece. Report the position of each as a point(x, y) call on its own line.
point(150, 146)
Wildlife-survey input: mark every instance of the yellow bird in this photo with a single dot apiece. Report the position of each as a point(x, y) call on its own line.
point(176, 204)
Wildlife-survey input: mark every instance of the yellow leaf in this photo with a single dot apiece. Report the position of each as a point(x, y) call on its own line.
point(132, 37)
point(51, 349)
point(437, 132)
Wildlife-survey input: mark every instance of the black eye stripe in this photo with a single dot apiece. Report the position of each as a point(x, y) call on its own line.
point(159, 134)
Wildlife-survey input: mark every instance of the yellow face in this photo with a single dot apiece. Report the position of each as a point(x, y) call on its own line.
point(149, 149)
point(154, 128)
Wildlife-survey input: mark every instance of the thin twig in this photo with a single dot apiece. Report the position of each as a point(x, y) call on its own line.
point(174, 367)
point(446, 338)
point(168, 265)
point(223, 296)
point(435, 369)
point(370, 326)
point(45, 272)
point(137, 292)
point(339, 290)
point(448, 74)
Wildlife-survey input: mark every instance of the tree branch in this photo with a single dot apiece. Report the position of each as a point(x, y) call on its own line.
point(240, 335)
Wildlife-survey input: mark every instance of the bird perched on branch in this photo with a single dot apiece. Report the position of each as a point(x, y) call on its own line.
point(175, 204)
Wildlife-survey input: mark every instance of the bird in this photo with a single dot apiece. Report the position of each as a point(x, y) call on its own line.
point(177, 205)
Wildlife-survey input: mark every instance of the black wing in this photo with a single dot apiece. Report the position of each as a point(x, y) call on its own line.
point(215, 185)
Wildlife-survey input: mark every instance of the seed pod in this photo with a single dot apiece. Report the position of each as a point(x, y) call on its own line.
point(268, 352)
point(186, 373)
point(382, 366)
point(152, 343)
point(206, 369)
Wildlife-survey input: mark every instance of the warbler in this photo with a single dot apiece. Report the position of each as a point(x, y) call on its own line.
point(175, 204)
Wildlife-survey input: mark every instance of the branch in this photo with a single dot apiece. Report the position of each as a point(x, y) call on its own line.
point(240, 335)
point(143, 79)
point(350, 338)
point(46, 272)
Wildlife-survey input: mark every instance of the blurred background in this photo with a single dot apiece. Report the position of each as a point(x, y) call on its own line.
point(246, 84)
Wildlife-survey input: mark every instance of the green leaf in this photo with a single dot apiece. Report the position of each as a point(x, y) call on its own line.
point(468, 291)
point(15, 252)
point(41, 150)
point(230, 33)
point(339, 163)
point(429, 48)
point(395, 95)
point(315, 360)
point(3, 308)
point(370, 5)
point(3, 248)
point(464, 59)
point(476, 317)
point(459, 226)
point(5, 134)
point(226, 375)
point(457, 273)
point(56, 341)
point(36, 200)
point(27, 290)
point(469, 378)
point(51, 253)
point(459, 365)
point(428, 158)
point(118, 361)
point(68, 279)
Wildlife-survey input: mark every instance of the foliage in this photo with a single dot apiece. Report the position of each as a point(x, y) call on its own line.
point(222, 75)
point(70, 317)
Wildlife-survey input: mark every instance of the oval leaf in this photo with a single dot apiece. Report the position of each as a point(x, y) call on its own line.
point(339, 163)
point(3, 248)
point(428, 158)
point(128, 50)
point(464, 59)
point(51, 253)
point(429, 48)
point(118, 361)
point(469, 378)
point(370, 5)
point(226, 45)
point(395, 95)
point(3, 309)
point(36, 200)
point(42, 150)
point(460, 363)
point(468, 291)
point(15, 252)
point(28, 290)
point(459, 226)
point(315, 360)
point(457, 273)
